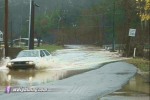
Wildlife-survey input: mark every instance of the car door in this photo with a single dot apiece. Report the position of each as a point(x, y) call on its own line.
point(43, 59)
point(48, 55)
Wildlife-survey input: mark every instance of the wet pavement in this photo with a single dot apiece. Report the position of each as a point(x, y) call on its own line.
point(23, 77)
point(136, 89)
point(65, 63)
point(73, 60)
point(85, 86)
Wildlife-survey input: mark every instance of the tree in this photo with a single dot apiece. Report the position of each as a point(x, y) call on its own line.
point(143, 7)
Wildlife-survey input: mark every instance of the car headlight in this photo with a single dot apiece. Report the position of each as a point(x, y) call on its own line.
point(30, 62)
point(10, 63)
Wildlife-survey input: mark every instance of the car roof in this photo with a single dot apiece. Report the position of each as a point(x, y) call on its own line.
point(34, 50)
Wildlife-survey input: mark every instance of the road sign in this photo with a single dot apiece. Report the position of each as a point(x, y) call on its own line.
point(1, 36)
point(132, 32)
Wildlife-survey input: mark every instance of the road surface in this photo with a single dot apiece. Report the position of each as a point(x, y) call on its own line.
point(87, 86)
point(73, 60)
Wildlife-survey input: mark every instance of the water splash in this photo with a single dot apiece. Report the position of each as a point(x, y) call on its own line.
point(3, 63)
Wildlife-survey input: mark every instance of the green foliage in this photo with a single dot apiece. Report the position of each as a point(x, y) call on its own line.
point(89, 24)
point(50, 48)
point(140, 63)
point(25, 30)
point(45, 23)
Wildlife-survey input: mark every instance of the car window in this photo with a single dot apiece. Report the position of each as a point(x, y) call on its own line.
point(42, 53)
point(31, 53)
point(46, 52)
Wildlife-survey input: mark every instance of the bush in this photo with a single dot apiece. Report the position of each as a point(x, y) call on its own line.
point(142, 64)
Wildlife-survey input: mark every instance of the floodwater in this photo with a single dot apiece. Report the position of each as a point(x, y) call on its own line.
point(65, 63)
point(136, 89)
point(33, 77)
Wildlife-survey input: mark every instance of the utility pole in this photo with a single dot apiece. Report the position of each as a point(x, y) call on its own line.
point(11, 35)
point(113, 41)
point(6, 29)
point(31, 24)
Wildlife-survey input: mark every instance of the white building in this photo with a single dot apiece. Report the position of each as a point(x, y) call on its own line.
point(24, 42)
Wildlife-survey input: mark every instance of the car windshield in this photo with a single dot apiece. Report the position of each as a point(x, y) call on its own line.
point(32, 53)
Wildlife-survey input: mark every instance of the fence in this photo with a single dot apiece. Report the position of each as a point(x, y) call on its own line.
point(141, 50)
point(12, 52)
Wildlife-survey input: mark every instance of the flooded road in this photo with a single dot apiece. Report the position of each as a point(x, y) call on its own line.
point(136, 89)
point(86, 86)
point(33, 77)
point(65, 63)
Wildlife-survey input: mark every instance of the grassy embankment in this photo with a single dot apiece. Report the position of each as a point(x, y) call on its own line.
point(142, 64)
point(49, 48)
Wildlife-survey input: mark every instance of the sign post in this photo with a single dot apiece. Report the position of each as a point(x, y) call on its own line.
point(132, 33)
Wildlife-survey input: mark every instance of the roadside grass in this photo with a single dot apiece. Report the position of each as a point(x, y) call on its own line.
point(49, 48)
point(142, 64)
